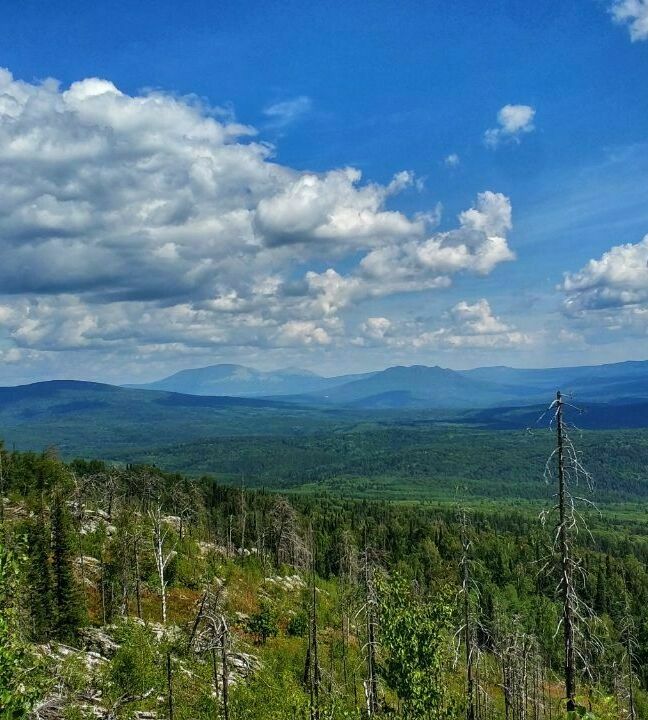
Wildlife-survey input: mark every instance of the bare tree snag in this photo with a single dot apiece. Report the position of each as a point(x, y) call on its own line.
point(567, 575)
point(162, 556)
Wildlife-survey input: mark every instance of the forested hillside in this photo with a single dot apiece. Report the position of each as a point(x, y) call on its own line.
point(411, 462)
point(496, 455)
point(129, 592)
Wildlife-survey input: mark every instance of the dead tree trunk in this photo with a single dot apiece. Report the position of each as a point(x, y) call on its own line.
point(138, 594)
point(243, 513)
point(313, 655)
point(631, 705)
point(214, 671)
point(371, 685)
point(210, 633)
point(225, 667)
point(162, 557)
point(467, 621)
point(566, 561)
point(630, 643)
point(506, 688)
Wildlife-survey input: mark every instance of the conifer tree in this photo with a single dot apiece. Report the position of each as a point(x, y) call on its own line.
point(67, 603)
point(40, 578)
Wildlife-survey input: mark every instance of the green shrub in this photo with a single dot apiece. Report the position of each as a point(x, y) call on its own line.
point(298, 625)
point(135, 668)
point(263, 624)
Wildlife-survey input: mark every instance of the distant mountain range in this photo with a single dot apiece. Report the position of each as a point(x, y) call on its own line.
point(241, 381)
point(94, 419)
point(418, 386)
point(234, 400)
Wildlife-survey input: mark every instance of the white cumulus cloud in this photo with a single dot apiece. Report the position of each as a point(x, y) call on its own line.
point(512, 122)
point(376, 327)
point(633, 14)
point(467, 325)
point(303, 332)
point(474, 326)
point(611, 291)
point(154, 225)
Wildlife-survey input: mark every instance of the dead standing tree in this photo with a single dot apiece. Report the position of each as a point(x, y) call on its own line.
point(370, 610)
point(467, 629)
point(471, 628)
point(288, 545)
point(161, 553)
point(210, 633)
point(349, 575)
point(106, 487)
point(564, 467)
point(312, 670)
point(626, 676)
point(185, 502)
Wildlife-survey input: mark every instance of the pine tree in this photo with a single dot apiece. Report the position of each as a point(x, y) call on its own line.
point(67, 603)
point(40, 578)
point(600, 597)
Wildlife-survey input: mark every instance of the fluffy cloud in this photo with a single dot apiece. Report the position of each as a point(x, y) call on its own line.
point(332, 209)
point(302, 332)
point(612, 289)
point(470, 326)
point(376, 327)
point(153, 223)
point(474, 326)
point(478, 245)
point(634, 14)
point(512, 122)
point(452, 160)
point(478, 319)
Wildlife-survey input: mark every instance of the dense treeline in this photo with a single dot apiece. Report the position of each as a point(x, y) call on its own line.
point(415, 461)
point(353, 607)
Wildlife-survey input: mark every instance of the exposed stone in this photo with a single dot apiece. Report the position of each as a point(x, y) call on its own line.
point(289, 583)
point(174, 520)
point(58, 652)
point(205, 548)
point(98, 640)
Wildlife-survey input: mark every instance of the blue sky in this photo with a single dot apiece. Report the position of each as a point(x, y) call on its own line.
point(313, 88)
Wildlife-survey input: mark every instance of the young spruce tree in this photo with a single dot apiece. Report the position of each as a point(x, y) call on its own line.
point(68, 610)
point(40, 578)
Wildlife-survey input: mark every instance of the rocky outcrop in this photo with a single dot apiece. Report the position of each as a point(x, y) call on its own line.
point(288, 583)
point(98, 647)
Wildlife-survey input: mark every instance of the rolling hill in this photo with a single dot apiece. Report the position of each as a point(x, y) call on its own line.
point(378, 451)
point(92, 418)
point(85, 418)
